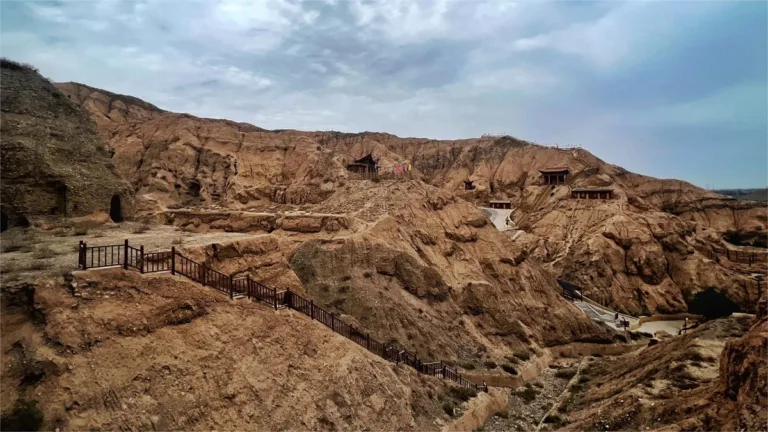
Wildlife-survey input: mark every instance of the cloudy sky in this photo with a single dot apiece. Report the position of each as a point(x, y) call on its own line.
point(674, 89)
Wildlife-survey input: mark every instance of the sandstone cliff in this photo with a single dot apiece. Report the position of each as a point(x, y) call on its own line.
point(54, 163)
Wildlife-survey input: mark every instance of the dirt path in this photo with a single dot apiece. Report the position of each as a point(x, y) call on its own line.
point(30, 252)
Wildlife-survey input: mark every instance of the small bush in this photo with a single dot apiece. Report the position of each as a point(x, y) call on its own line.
point(346, 278)
point(522, 355)
point(509, 369)
point(555, 420)
point(462, 393)
point(503, 413)
point(367, 275)
point(141, 229)
point(467, 365)
point(9, 246)
point(80, 232)
point(6, 63)
point(448, 408)
point(583, 379)
point(44, 252)
point(61, 233)
point(24, 416)
point(512, 359)
point(565, 373)
point(490, 364)
point(528, 394)
point(38, 265)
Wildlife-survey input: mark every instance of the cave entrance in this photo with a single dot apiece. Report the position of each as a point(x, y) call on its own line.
point(115, 209)
point(712, 304)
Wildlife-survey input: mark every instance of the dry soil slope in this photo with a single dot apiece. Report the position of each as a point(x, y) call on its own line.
point(116, 350)
point(54, 163)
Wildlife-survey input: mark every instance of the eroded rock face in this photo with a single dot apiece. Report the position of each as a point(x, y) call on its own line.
point(54, 163)
point(648, 250)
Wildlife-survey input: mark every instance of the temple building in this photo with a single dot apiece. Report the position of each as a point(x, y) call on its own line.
point(555, 175)
point(592, 193)
point(366, 165)
point(498, 204)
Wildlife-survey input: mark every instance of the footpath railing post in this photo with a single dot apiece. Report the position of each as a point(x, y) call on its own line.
point(368, 341)
point(125, 255)
point(229, 283)
point(85, 255)
point(312, 309)
point(141, 264)
point(274, 297)
point(202, 269)
point(80, 254)
point(485, 387)
point(173, 260)
point(333, 322)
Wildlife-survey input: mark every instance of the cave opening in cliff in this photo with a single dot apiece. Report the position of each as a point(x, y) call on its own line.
point(194, 188)
point(712, 304)
point(115, 209)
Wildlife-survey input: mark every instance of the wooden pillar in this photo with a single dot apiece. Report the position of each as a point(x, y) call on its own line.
point(125, 255)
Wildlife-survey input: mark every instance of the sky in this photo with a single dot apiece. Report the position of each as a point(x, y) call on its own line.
point(672, 89)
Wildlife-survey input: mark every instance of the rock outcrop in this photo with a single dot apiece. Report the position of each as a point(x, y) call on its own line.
point(54, 163)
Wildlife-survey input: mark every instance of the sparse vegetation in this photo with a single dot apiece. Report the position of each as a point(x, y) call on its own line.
point(467, 365)
point(177, 241)
point(490, 364)
point(503, 413)
point(555, 420)
point(80, 231)
point(528, 394)
point(141, 229)
point(522, 355)
point(7, 63)
point(462, 393)
point(508, 368)
point(565, 373)
point(44, 252)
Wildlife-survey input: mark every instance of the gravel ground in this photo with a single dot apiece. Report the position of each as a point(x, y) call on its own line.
point(522, 415)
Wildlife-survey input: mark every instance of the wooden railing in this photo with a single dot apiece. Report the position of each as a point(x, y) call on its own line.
point(173, 261)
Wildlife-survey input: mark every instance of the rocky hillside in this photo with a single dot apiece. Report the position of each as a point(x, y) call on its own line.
point(714, 378)
point(418, 267)
point(652, 249)
point(54, 164)
point(115, 350)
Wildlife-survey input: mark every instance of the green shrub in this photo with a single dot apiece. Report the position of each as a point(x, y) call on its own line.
point(490, 364)
point(80, 231)
point(512, 359)
point(528, 394)
point(565, 373)
point(24, 416)
point(467, 365)
point(509, 369)
point(448, 408)
point(555, 420)
point(503, 413)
